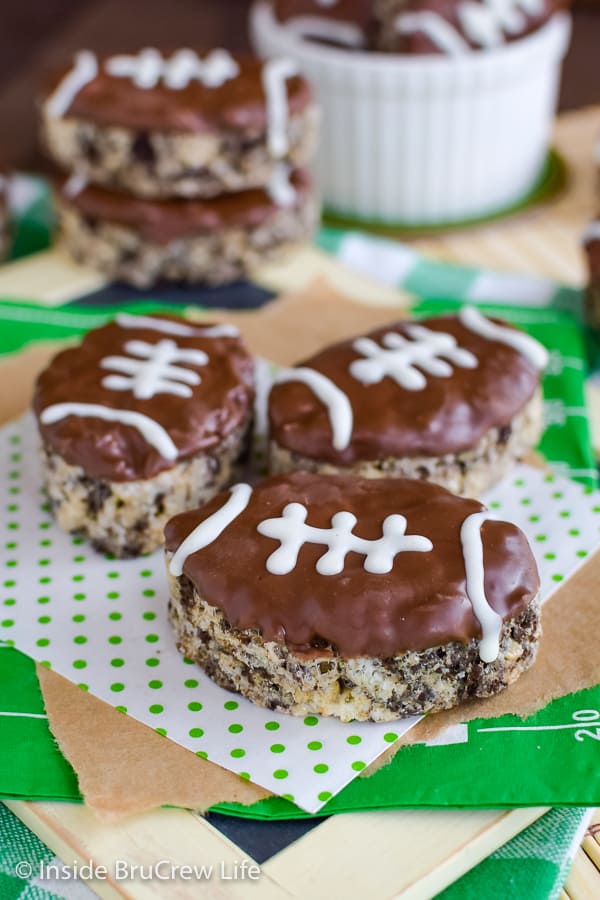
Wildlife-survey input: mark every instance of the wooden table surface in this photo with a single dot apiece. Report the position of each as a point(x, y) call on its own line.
point(35, 36)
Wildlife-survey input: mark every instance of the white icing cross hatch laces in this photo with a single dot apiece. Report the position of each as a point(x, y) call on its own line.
point(148, 369)
point(292, 532)
point(483, 23)
point(399, 357)
point(149, 67)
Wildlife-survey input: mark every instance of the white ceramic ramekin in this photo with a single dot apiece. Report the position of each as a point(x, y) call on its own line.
point(423, 140)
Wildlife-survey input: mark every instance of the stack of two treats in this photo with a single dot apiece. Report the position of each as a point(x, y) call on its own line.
point(186, 167)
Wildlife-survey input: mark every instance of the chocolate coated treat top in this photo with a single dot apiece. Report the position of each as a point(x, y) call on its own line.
point(134, 399)
point(405, 392)
point(154, 91)
point(415, 590)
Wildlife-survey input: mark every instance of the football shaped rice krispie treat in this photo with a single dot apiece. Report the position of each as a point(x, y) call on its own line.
point(186, 124)
point(361, 599)
point(214, 240)
point(451, 399)
point(145, 418)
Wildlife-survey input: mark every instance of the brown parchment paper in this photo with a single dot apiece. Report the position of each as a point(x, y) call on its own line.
point(113, 753)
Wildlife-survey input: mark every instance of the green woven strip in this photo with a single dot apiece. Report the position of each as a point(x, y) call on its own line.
point(21, 852)
point(535, 864)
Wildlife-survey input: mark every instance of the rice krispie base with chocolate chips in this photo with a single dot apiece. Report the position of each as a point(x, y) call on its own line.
point(170, 164)
point(127, 518)
point(362, 689)
point(363, 599)
point(468, 473)
point(212, 241)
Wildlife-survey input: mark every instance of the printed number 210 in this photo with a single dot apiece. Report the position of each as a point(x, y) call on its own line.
point(587, 716)
point(584, 733)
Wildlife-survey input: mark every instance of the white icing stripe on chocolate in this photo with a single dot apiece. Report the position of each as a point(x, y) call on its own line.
point(490, 621)
point(439, 31)
point(274, 76)
point(346, 33)
point(527, 346)
point(148, 369)
point(149, 67)
point(153, 433)
point(84, 70)
point(399, 357)
point(74, 185)
point(486, 23)
point(175, 328)
point(338, 405)
point(212, 528)
point(280, 188)
point(292, 532)
point(591, 233)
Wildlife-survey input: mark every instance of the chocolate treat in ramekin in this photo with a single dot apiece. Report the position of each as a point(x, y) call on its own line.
point(145, 418)
point(182, 124)
point(357, 598)
point(451, 399)
point(343, 23)
point(456, 27)
point(214, 240)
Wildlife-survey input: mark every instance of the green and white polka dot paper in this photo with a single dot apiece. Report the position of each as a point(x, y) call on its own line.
point(103, 625)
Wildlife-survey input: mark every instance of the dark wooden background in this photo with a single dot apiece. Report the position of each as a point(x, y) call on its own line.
point(37, 34)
